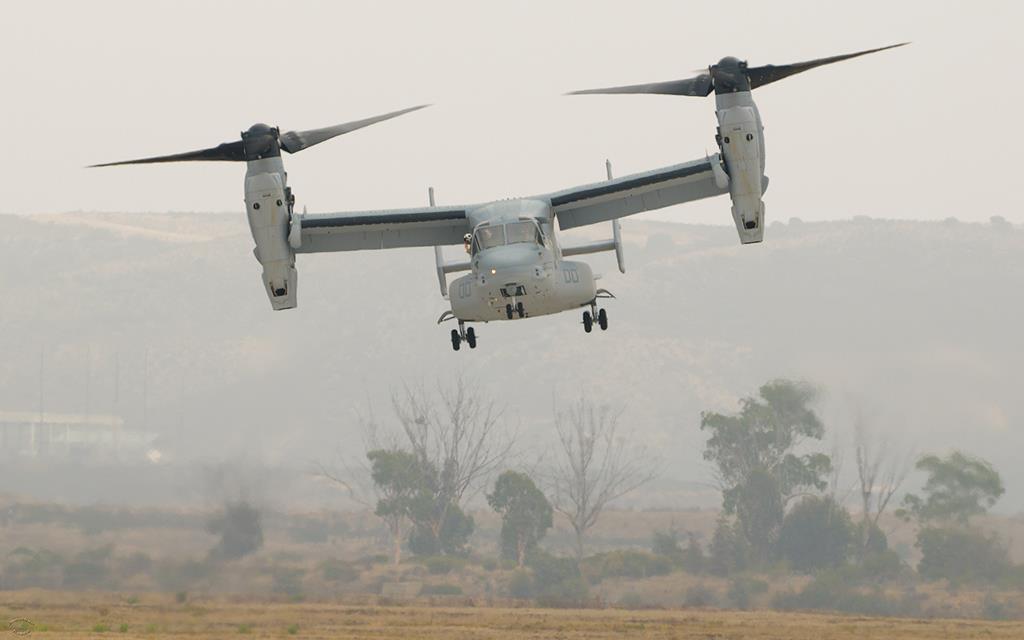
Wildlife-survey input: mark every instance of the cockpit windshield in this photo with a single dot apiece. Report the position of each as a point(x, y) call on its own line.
point(488, 236)
point(522, 232)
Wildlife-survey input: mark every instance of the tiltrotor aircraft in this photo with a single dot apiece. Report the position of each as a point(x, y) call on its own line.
point(516, 267)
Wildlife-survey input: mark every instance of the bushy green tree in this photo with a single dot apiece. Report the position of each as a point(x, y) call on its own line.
point(754, 453)
point(403, 482)
point(961, 555)
point(959, 486)
point(816, 534)
point(526, 514)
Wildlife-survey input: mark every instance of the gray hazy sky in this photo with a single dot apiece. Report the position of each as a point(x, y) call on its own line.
point(928, 131)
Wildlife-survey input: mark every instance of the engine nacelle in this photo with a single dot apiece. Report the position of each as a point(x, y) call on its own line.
point(742, 148)
point(266, 203)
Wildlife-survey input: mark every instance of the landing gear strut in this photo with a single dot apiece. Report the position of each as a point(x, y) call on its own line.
point(463, 334)
point(595, 314)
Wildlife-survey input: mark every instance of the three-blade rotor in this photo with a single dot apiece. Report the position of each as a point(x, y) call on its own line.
point(263, 141)
point(728, 76)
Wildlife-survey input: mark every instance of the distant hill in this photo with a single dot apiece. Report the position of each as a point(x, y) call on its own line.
point(913, 326)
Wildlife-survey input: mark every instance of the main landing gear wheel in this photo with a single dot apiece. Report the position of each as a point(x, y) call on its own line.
point(471, 338)
point(602, 320)
point(457, 340)
point(508, 311)
point(520, 309)
point(588, 322)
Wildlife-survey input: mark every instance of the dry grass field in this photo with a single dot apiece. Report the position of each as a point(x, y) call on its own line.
point(97, 615)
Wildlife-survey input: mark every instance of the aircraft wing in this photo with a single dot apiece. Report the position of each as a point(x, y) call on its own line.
point(387, 229)
point(603, 201)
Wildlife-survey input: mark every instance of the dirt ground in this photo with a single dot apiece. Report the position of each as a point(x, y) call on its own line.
point(50, 614)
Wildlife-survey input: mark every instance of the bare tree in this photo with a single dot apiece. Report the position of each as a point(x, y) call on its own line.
point(880, 473)
point(595, 465)
point(463, 437)
point(457, 435)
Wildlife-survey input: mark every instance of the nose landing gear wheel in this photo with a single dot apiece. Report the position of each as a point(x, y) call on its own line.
point(602, 320)
point(457, 340)
point(520, 310)
point(471, 338)
point(588, 322)
point(508, 311)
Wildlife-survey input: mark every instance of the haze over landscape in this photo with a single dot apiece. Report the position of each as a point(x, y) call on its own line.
point(767, 438)
point(907, 326)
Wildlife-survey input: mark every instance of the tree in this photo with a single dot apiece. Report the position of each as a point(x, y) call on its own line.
point(463, 439)
point(961, 555)
point(450, 540)
point(240, 529)
point(526, 514)
point(594, 465)
point(756, 464)
point(880, 474)
point(816, 534)
point(958, 487)
point(759, 512)
point(401, 479)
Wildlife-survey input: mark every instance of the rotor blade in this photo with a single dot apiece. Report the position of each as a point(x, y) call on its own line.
point(226, 152)
point(295, 141)
point(697, 86)
point(760, 76)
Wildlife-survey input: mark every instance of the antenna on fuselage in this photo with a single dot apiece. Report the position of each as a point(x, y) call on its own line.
point(430, 194)
point(608, 168)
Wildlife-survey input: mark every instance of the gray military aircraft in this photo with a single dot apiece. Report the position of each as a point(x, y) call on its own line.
point(517, 267)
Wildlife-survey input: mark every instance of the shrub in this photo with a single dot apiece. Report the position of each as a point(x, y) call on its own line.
point(699, 595)
point(961, 556)
point(730, 552)
point(438, 565)
point(627, 563)
point(742, 591)
point(631, 600)
point(240, 530)
point(339, 571)
point(816, 534)
point(441, 590)
point(833, 591)
point(993, 608)
point(557, 581)
point(693, 559)
point(520, 585)
point(666, 543)
point(881, 565)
